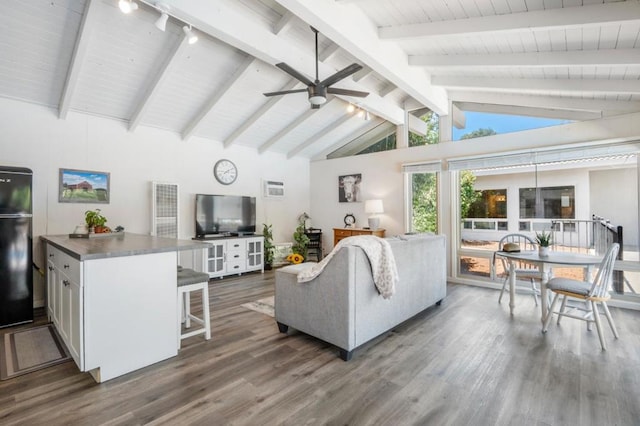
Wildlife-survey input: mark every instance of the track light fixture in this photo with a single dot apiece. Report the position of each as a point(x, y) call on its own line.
point(190, 34)
point(127, 6)
point(161, 22)
point(359, 111)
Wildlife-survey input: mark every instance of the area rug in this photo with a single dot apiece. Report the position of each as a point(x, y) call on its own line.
point(31, 349)
point(264, 306)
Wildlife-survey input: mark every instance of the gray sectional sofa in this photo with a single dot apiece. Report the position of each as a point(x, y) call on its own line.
point(342, 306)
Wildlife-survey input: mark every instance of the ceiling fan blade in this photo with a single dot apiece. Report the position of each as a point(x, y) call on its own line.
point(285, 92)
point(347, 92)
point(341, 74)
point(293, 73)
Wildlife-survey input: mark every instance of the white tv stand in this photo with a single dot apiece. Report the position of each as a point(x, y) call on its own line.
point(231, 255)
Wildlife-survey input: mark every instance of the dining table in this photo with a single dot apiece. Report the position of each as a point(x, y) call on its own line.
point(545, 265)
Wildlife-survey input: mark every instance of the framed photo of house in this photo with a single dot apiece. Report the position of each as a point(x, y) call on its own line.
point(349, 188)
point(83, 186)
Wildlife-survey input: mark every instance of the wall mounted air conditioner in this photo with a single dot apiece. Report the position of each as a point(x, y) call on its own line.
point(272, 189)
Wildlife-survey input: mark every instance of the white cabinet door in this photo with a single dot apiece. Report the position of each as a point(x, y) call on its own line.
point(255, 251)
point(65, 307)
point(75, 332)
point(215, 260)
point(53, 293)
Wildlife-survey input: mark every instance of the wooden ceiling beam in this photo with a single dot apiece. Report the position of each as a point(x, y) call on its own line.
point(532, 85)
point(537, 20)
point(79, 56)
point(602, 57)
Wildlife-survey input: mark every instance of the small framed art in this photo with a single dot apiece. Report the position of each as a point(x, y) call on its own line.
point(83, 186)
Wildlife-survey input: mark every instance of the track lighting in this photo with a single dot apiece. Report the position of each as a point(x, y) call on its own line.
point(190, 34)
point(359, 111)
point(161, 23)
point(127, 6)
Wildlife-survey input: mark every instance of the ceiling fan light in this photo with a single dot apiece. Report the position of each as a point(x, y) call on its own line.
point(367, 117)
point(127, 6)
point(351, 108)
point(190, 34)
point(317, 100)
point(161, 23)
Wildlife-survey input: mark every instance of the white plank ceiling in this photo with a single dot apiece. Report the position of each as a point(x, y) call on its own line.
point(577, 59)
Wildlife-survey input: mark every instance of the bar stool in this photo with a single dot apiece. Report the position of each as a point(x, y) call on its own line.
point(188, 281)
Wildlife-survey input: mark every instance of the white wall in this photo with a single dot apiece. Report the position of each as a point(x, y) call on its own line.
point(33, 137)
point(615, 197)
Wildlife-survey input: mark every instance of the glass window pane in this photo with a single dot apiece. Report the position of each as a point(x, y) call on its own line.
point(424, 199)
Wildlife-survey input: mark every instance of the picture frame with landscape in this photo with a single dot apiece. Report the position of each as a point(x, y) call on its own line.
point(84, 186)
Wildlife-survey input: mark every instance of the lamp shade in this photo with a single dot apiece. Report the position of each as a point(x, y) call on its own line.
point(373, 206)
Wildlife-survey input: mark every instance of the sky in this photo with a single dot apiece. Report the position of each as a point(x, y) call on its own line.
point(503, 123)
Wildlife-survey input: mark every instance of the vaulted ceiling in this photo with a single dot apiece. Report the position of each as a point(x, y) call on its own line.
point(574, 59)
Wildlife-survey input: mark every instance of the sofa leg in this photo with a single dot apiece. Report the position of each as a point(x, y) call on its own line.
point(439, 302)
point(283, 327)
point(345, 355)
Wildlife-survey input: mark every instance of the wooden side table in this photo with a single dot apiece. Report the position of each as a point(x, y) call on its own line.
point(340, 233)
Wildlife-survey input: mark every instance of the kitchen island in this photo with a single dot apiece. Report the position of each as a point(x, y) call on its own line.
point(113, 299)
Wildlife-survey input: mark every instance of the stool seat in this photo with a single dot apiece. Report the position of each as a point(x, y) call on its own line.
point(189, 280)
point(189, 276)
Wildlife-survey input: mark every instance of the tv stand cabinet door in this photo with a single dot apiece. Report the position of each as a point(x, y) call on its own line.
point(215, 258)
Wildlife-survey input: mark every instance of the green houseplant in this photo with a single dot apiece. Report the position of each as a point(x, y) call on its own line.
point(95, 220)
point(301, 241)
point(544, 240)
point(267, 233)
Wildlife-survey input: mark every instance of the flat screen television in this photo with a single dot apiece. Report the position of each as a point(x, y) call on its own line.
point(225, 215)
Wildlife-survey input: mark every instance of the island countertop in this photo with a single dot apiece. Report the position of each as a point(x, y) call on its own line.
point(127, 244)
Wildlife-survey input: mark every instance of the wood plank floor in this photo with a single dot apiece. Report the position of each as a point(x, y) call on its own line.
point(466, 362)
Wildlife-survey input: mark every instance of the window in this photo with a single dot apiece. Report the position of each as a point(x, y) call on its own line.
point(433, 133)
point(422, 196)
point(548, 203)
point(490, 203)
point(562, 196)
point(424, 208)
point(480, 124)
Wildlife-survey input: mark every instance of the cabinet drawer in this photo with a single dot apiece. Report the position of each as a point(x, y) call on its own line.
point(239, 246)
point(343, 233)
point(65, 263)
point(236, 256)
point(361, 232)
point(236, 265)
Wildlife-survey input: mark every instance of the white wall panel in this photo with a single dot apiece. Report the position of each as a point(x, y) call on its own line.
point(34, 137)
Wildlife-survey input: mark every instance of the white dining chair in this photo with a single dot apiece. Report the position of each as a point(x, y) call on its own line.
point(524, 271)
point(591, 293)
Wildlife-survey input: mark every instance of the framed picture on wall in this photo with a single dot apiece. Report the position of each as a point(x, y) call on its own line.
point(83, 186)
point(349, 187)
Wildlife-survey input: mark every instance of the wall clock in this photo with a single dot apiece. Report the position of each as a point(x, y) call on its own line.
point(349, 220)
point(225, 172)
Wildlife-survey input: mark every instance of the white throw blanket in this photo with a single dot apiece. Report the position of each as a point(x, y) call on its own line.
point(383, 264)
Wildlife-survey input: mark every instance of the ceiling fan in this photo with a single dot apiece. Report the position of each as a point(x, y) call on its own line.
point(318, 89)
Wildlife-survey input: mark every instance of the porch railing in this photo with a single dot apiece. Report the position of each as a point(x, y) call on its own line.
point(593, 237)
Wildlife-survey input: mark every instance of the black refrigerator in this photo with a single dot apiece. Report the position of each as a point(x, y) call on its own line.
point(16, 274)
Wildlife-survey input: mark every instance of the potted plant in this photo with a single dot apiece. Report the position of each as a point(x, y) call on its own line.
point(544, 240)
point(267, 233)
point(95, 221)
point(301, 241)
